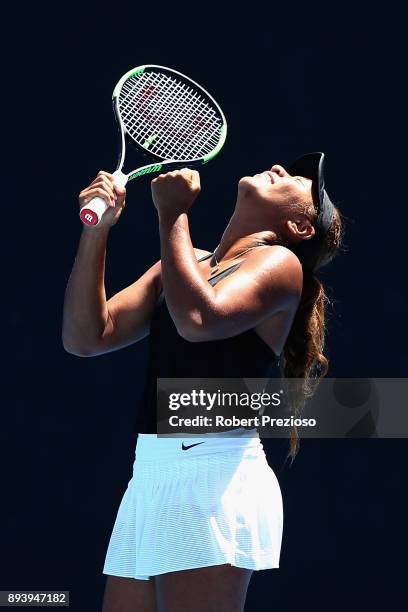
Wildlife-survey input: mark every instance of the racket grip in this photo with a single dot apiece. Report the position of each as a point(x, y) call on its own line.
point(92, 212)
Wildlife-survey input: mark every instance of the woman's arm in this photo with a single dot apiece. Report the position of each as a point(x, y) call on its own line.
point(91, 324)
point(268, 281)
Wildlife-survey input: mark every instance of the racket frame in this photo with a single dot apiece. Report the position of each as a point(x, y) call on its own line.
point(160, 165)
point(92, 212)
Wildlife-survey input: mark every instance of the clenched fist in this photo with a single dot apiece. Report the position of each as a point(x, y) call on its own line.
point(175, 192)
point(104, 187)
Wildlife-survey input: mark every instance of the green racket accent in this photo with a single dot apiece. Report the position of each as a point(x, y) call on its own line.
point(126, 76)
point(147, 170)
point(223, 135)
point(149, 141)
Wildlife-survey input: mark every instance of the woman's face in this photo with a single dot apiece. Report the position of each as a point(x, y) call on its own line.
point(275, 187)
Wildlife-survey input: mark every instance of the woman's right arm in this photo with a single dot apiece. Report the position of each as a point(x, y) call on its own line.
point(91, 324)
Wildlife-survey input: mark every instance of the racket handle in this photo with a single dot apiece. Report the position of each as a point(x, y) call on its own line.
point(92, 213)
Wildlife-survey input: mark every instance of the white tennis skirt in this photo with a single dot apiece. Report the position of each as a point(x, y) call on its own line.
point(197, 502)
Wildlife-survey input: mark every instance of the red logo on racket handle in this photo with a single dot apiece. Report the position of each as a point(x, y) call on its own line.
point(93, 211)
point(89, 217)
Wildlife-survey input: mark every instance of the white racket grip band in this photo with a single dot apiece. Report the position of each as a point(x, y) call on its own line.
point(92, 213)
point(119, 178)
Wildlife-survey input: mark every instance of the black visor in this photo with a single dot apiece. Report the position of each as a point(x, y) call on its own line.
point(311, 166)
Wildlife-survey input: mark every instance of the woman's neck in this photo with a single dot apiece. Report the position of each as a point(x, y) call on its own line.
point(233, 245)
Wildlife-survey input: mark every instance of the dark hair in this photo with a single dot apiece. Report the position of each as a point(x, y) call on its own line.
point(303, 357)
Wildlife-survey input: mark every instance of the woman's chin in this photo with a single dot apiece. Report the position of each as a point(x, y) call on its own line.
point(247, 183)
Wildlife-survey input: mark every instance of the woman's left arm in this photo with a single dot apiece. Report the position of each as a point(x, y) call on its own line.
point(268, 281)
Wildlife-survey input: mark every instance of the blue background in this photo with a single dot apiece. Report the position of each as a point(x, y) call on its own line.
point(327, 79)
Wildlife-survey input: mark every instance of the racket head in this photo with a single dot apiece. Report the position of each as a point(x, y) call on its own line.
point(168, 117)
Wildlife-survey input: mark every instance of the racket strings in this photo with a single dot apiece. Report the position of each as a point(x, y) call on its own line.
point(163, 118)
point(161, 103)
point(168, 116)
point(176, 127)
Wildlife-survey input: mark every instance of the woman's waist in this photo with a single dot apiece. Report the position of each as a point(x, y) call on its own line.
point(155, 447)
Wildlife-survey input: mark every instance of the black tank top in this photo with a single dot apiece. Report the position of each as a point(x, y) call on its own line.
point(245, 355)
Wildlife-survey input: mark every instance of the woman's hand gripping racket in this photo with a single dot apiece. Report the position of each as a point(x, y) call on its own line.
point(167, 117)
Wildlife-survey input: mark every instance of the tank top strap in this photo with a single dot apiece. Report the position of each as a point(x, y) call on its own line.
point(214, 279)
point(217, 277)
point(205, 257)
point(221, 275)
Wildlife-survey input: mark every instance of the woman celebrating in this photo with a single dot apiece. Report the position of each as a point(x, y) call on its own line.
point(200, 515)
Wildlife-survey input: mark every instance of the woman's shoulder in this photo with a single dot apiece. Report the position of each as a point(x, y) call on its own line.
point(278, 266)
point(276, 254)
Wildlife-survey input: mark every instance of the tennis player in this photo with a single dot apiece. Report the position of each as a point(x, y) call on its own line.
point(200, 515)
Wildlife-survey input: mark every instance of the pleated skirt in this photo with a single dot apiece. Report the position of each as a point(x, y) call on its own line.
point(197, 502)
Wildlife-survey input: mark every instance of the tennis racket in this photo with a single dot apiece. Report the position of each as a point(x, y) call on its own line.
point(168, 118)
